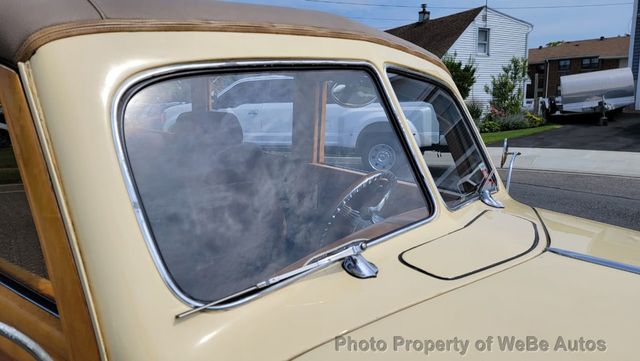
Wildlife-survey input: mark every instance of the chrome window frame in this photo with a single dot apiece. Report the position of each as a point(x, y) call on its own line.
point(474, 134)
point(138, 81)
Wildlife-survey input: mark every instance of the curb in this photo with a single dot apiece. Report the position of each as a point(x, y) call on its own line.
point(594, 162)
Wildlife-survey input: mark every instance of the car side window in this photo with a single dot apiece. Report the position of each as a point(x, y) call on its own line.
point(363, 139)
point(21, 259)
point(232, 197)
point(445, 137)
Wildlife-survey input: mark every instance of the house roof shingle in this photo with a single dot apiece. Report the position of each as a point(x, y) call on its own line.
point(617, 47)
point(437, 35)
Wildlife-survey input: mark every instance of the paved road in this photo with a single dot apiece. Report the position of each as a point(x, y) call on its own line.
point(609, 199)
point(581, 132)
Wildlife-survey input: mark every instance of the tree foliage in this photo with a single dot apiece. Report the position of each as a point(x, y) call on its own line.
point(554, 43)
point(506, 89)
point(463, 75)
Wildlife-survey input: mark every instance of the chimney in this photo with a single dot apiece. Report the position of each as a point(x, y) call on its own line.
point(424, 15)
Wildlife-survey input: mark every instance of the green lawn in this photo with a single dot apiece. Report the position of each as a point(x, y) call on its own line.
point(491, 138)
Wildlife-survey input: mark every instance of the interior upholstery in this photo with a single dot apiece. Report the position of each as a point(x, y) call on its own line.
point(218, 195)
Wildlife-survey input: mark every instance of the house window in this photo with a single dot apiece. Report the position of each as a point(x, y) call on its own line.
point(564, 65)
point(590, 63)
point(483, 41)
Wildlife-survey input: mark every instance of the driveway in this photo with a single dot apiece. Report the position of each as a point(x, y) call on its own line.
point(581, 132)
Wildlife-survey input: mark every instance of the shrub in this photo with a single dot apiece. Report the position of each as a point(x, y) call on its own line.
point(463, 75)
point(506, 88)
point(475, 109)
point(513, 121)
point(533, 119)
point(496, 121)
point(489, 126)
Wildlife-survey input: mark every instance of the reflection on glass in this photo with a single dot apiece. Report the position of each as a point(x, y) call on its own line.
point(450, 151)
point(244, 175)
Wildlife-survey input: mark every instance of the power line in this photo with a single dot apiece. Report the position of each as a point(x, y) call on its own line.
point(564, 6)
point(383, 5)
point(465, 8)
point(387, 19)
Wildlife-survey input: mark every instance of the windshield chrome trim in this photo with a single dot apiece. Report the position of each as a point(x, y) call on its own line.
point(476, 136)
point(595, 260)
point(121, 97)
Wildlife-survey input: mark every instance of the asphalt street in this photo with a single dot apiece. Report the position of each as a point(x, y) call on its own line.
point(581, 132)
point(608, 199)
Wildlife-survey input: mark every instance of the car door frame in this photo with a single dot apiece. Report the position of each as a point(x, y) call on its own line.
point(70, 332)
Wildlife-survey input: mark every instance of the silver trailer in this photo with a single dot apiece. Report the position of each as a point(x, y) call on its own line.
point(595, 92)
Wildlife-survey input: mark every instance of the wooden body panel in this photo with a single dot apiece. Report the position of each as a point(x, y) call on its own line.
point(79, 337)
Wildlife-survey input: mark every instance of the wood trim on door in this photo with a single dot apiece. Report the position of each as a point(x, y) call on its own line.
point(78, 333)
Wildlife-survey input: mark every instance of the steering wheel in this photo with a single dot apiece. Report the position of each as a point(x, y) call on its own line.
point(361, 205)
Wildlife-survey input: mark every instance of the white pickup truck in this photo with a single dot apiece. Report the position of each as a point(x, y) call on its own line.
point(269, 122)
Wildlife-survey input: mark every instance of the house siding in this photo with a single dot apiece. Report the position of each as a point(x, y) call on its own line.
point(508, 38)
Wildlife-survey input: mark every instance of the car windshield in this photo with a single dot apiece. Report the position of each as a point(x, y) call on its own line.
point(245, 175)
point(445, 137)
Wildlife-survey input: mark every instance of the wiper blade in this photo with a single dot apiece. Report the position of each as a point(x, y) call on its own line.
point(352, 250)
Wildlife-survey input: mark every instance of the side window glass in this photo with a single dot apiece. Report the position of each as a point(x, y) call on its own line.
point(445, 138)
point(21, 258)
point(361, 138)
point(234, 196)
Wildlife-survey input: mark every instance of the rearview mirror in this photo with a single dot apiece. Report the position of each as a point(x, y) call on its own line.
point(353, 94)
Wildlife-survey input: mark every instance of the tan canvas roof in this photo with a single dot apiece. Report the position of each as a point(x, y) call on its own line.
point(26, 25)
point(617, 47)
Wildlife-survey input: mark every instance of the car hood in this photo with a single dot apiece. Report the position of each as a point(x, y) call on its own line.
point(590, 238)
point(583, 311)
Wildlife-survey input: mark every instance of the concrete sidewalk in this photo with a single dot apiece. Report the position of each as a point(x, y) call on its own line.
point(575, 161)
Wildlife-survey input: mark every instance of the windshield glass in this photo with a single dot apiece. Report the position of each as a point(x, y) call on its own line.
point(244, 176)
point(445, 138)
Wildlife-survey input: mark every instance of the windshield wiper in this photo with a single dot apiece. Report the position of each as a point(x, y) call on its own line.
point(350, 251)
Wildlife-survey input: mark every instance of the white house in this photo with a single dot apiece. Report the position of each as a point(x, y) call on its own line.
point(487, 37)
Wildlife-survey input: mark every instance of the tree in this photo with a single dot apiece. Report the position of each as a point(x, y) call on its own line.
point(506, 88)
point(551, 44)
point(463, 75)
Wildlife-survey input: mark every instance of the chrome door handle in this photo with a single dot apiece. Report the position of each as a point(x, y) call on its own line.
point(253, 112)
point(24, 342)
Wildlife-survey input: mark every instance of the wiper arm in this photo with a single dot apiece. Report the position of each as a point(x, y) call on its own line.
point(352, 250)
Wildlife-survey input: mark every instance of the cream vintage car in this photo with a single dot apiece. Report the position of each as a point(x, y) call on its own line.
point(127, 240)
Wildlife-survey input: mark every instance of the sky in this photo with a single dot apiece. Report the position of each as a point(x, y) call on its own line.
point(552, 21)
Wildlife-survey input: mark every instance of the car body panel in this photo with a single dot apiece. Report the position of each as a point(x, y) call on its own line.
point(547, 297)
point(592, 238)
point(131, 299)
point(462, 252)
point(134, 308)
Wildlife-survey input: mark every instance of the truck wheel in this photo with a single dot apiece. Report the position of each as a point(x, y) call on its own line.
point(377, 154)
